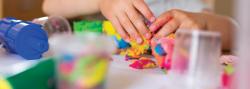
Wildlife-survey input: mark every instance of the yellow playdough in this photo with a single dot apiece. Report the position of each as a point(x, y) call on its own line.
point(4, 84)
point(135, 50)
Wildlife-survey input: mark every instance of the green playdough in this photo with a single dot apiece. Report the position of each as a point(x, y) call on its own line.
point(229, 69)
point(40, 76)
point(89, 26)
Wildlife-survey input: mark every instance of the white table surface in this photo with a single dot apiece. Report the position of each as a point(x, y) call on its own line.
point(121, 76)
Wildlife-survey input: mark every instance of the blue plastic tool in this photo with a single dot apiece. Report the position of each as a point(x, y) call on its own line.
point(23, 38)
point(159, 50)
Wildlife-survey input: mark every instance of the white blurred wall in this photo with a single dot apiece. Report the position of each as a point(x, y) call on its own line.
point(243, 16)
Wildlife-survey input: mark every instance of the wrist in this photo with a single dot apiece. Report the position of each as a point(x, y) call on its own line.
point(99, 4)
point(204, 21)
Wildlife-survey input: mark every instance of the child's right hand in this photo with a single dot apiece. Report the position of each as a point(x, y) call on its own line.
point(127, 16)
point(175, 19)
point(228, 59)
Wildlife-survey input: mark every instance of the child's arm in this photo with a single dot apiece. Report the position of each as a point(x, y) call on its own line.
point(224, 25)
point(172, 20)
point(127, 16)
point(70, 8)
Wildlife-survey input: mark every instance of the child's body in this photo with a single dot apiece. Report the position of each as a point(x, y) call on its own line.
point(167, 16)
point(127, 16)
point(160, 6)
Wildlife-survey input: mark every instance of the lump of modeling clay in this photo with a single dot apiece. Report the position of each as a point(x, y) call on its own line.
point(159, 50)
point(143, 63)
point(89, 26)
point(132, 49)
point(227, 76)
point(121, 44)
point(163, 51)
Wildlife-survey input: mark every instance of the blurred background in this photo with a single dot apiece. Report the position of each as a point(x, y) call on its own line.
point(21, 9)
point(30, 9)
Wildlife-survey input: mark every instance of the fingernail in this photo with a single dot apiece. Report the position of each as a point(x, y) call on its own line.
point(152, 19)
point(155, 39)
point(139, 40)
point(127, 39)
point(152, 28)
point(169, 17)
point(148, 35)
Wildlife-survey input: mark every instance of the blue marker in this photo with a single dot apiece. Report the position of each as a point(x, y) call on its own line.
point(159, 50)
point(23, 38)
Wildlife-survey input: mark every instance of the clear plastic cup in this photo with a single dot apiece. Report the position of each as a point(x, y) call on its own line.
point(54, 24)
point(82, 61)
point(196, 59)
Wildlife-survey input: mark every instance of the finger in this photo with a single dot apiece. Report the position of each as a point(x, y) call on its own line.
point(138, 22)
point(128, 26)
point(119, 28)
point(168, 28)
point(163, 19)
point(226, 59)
point(144, 9)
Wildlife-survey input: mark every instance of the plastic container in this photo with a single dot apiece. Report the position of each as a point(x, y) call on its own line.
point(196, 60)
point(83, 62)
point(18, 73)
point(54, 25)
point(24, 38)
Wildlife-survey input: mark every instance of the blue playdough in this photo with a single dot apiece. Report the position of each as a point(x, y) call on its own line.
point(121, 44)
point(159, 50)
point(24, 38)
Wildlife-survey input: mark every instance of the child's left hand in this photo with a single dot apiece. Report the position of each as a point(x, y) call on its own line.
point(172, 20)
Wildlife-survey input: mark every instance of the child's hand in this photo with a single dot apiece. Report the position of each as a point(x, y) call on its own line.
point(127, 16)
point(172, 20)
point(228, 59)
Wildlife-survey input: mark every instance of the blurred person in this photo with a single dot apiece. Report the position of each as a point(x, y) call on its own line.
point(166, 16)
point(127, 16)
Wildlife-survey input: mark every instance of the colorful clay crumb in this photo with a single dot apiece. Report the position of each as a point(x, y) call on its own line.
point(143, 63)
